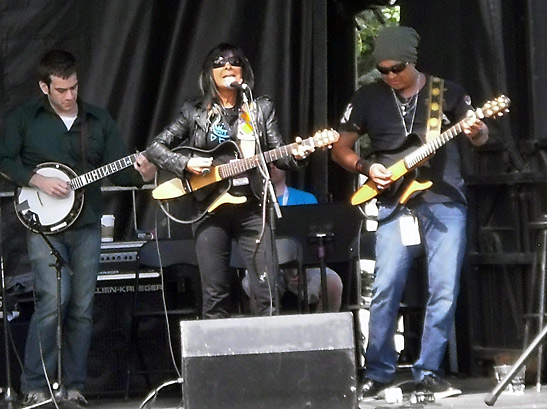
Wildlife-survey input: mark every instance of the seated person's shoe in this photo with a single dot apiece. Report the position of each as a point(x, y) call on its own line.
point(438, 386)
point(371, 388)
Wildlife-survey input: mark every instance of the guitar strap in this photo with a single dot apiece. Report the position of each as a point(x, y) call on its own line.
point(436, 89)
point(83, 141)
point(245, 134)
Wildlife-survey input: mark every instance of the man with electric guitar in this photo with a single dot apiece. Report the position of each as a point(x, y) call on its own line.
point(217, 148)
point(421, 198)
point(46, 143)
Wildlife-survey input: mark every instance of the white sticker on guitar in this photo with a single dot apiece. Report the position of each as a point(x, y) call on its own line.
point(410, 231)
point(240, 181)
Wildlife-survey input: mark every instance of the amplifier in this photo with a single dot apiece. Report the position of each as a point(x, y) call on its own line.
point(117, 258)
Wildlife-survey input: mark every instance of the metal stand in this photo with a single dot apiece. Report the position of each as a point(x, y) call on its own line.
point(8, 396)
point(270, 197)
point(60, 393)
point(321, 238)
point(493, 396)
point(537, 342)
point(541, 226)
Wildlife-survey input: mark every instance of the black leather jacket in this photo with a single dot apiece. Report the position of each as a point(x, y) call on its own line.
point(191, 127)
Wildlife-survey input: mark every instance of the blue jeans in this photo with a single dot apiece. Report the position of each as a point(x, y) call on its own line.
point(81, 249)
point(443, 235)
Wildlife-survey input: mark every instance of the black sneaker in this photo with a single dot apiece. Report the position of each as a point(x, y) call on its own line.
point(34, 398)
point(371, 388)
point(438, 386)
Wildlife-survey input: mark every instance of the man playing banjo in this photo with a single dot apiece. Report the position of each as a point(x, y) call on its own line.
point(59, 128)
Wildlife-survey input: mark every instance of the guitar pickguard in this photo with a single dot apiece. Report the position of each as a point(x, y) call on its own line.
point(197, 201)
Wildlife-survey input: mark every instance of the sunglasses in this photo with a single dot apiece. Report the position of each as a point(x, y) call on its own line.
point(395, 69)
point(222, 61)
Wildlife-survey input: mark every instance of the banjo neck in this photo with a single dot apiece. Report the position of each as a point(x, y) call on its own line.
point(94, 175)
point(53, 215)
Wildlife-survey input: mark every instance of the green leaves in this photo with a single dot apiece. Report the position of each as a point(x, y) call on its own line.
point(368, 23)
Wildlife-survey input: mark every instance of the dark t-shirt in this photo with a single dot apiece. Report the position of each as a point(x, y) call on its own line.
point(222, 129)
point(373, 111)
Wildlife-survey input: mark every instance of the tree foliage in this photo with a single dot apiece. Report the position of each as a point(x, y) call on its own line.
point(369, 22)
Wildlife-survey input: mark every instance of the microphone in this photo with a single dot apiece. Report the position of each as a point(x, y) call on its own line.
point(237, 85)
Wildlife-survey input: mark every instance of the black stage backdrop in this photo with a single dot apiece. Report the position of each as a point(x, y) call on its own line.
point(141, 59)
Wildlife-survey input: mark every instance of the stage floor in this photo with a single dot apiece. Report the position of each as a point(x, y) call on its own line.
point(475, 390)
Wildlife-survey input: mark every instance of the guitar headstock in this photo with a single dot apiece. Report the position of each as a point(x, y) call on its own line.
point(496, 107)
point(325, 137)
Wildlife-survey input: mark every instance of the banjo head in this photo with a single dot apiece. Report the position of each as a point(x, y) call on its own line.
point(54, 214)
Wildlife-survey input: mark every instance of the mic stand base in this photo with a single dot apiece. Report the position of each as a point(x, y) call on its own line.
point(9, 397)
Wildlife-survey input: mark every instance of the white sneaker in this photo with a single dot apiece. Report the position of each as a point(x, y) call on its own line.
point(448, 393)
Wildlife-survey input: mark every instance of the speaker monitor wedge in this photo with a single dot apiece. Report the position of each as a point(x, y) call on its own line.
point(285, 361)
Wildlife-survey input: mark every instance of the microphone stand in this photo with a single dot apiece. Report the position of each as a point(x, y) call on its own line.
point(9, 395)
point(271, 198)
point(60, 393)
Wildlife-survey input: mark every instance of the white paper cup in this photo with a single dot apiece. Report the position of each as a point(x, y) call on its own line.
point(107, 227)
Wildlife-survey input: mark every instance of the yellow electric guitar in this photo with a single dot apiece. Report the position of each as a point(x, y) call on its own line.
point(417, 157)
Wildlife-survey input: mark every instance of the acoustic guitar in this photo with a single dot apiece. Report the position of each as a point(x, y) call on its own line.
point(198, 195)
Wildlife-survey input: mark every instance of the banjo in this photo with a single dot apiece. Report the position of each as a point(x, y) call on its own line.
point(57, 214)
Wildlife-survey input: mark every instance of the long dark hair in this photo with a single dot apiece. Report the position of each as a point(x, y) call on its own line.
point(206, 82)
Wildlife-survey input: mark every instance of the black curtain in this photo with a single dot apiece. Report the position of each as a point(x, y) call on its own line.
point(487, 46)
point(494, 47)
point(141, 59)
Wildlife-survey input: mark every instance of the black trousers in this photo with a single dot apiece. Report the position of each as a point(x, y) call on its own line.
point(213, 235)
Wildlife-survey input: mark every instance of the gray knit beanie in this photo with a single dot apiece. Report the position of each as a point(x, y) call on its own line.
point(398, 43)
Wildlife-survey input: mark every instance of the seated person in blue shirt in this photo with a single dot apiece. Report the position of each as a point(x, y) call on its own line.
point(288, 196)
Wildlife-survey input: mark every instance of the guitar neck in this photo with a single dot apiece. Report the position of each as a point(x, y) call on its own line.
point(240, 166)
point(102, 172)
point(414, 158)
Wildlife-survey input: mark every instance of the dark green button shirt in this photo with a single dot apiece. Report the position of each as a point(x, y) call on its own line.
point(35, 134)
